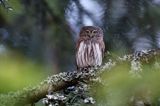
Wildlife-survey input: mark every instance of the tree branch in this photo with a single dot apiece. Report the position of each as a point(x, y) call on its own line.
point(63, 80)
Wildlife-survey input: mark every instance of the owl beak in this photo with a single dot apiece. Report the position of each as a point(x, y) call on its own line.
point(91, 35)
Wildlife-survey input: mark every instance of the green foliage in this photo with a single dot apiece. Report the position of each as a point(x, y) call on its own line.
point(122, 89)
point(37, 30)
point(17, 72)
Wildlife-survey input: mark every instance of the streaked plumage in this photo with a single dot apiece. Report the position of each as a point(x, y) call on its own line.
point(90, 47)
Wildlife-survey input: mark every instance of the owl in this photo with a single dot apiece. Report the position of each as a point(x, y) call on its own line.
point(90, 47)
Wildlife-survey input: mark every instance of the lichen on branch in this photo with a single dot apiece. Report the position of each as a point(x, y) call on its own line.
point(65, 80)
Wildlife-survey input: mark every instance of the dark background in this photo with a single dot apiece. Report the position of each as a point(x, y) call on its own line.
point(37, 37)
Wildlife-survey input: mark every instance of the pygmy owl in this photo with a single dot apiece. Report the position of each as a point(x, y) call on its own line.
point(90, 47)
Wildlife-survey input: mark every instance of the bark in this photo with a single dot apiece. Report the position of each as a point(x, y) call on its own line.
point(63, 80)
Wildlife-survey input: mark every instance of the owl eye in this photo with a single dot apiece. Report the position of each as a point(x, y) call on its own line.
point(87, 31)
point(94, 31)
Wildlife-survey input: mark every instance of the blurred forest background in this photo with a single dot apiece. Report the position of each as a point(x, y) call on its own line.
point(37, 37)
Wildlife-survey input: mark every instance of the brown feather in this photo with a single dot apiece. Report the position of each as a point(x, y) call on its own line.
point(90, 48)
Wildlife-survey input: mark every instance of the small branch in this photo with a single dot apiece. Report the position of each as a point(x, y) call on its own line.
point(142, 56)
point(5, 5)
point(66, 79)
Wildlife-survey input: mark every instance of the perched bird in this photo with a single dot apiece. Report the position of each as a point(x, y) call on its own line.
point(90, 47)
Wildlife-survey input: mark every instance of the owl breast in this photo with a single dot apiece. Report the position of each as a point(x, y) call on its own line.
point(88, 54)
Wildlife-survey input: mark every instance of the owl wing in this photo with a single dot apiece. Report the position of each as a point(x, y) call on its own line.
point(78, 43)
point(102, 46)
point(77, 47)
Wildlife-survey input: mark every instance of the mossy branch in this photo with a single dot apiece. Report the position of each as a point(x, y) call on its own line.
point(63, 80)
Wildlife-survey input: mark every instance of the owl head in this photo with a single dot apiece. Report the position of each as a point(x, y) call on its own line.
point(91, 32)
